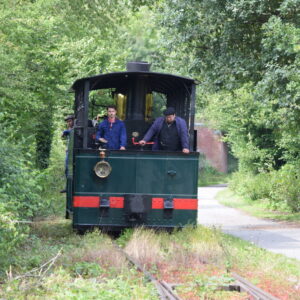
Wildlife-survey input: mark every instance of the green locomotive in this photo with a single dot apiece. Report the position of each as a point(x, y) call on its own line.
point(114, 189)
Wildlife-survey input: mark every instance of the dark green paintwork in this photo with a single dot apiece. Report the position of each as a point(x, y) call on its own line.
point(91, 216)
point(159, 174)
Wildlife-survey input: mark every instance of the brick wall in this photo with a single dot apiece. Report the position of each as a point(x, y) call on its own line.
point(210, 145)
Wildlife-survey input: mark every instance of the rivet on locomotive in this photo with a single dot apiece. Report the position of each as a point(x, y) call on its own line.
point(116, 189)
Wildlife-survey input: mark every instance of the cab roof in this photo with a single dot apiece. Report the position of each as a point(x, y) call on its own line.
point(159, 82)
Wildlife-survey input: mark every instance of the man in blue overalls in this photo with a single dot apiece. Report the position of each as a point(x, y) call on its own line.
point(112, 132)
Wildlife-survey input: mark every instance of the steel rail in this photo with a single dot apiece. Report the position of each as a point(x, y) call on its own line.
point(244, 285)
point(253, 290)
point(164, 290)
point(166, 293)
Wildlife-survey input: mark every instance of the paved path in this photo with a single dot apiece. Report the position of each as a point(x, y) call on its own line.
point(270, 235)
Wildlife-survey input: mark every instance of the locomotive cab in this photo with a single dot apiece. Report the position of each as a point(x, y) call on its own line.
point(114, 189)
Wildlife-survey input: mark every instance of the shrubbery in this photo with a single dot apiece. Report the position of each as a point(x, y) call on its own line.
point(25, 192)
point(246, 57)
point(10, 233)
point(250, 186)
point(281, 189)
point(52, 179)
point(286, 187)
point(18, 196)
point(20, 193)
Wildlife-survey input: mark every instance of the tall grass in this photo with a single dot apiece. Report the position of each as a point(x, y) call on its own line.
point(90, 268)
point(144, 246)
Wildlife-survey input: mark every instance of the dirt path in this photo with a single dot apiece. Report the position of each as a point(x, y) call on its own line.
point(273, 236)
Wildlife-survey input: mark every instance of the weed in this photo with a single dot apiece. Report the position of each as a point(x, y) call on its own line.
point(98, 248)
point(87, 269)
point(90, 268)
point(61, 285)
point(125, 237)
point(202, 244)
point(144, 246)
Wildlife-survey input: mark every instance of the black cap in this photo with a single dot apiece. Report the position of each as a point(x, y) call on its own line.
point(69, 117)
point(169, 111)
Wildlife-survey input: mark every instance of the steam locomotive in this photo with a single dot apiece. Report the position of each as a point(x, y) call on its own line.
point(114, 189)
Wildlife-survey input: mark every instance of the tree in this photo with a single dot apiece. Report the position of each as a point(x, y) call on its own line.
point(250, 46)
point(45, 45)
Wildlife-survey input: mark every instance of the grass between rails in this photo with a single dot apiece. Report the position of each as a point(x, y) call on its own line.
point(259, 208)
point(90, 268)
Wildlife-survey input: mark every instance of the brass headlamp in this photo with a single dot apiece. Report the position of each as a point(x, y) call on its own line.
point(102, 168)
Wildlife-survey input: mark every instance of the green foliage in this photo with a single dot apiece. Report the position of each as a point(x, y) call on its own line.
point(25, 192)
point(77, 274)
point(20, 193)
point(52, 179)
point(261, 209)
point(125, 237)
point(244, 53)
point(87, 269)
point(19, 196)
point(61, 285)
point(252, 187)
point(44, 47)
point(208, 175)
point(280, 189)
point(11, 234)
point(286, 188)
point(205, 285)
point(246, 56)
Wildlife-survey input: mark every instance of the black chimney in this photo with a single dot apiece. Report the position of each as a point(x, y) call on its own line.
point(138, 66)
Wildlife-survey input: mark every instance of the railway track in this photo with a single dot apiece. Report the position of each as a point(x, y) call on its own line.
point(166, 292)
point(252, 290)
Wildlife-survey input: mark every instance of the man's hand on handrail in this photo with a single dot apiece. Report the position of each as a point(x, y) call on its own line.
point(142, 142)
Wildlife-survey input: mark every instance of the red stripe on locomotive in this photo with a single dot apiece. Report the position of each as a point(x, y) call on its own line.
point(116, 202)
point(179, 203)
point(157, 203)
point(86, 201)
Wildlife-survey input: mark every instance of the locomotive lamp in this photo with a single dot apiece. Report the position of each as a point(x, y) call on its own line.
point(102, 168)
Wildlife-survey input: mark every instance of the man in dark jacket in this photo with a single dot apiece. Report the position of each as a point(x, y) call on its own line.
point(70, 124)
point(112, 131)
point(169, 133)
point(66, 134)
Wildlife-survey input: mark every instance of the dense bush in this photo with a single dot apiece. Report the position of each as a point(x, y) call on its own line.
point(286, 187)
point(11, 233)
point(251, 187)
point(20, 193)
point(25, 192)
point(52, 179)
point(279, 188)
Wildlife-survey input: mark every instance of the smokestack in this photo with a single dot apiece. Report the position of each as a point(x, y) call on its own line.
point(138, 66)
